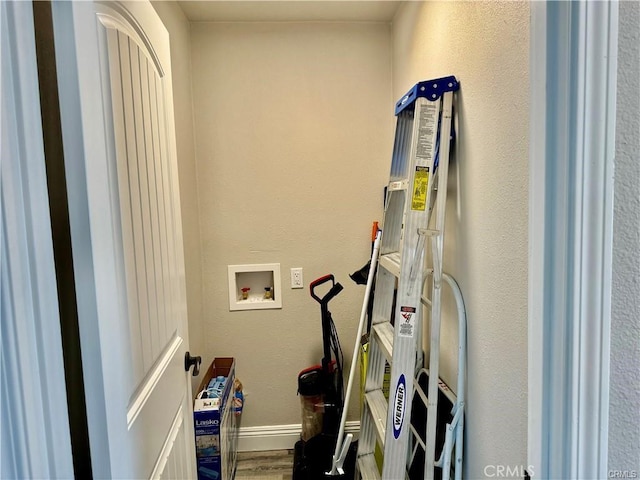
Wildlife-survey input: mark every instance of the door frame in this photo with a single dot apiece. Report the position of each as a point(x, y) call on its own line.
point(590, 374)
point(573, 67)
point(34, 407)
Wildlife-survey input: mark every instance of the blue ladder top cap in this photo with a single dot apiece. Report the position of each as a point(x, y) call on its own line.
point(430, 89)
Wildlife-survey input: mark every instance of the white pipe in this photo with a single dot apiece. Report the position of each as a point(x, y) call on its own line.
point(337, 458)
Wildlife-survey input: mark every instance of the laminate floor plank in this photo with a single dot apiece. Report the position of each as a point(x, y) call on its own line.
point(270, 465)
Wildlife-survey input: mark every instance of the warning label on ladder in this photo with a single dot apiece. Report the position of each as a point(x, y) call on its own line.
point(406, 327)
point(420, 184)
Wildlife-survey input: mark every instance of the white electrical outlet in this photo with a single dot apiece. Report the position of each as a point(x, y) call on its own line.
point(296, 278)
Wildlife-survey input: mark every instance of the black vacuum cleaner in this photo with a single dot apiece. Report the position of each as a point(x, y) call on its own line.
point(321, 390)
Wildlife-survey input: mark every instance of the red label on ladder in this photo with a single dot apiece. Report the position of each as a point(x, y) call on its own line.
point(407, 325)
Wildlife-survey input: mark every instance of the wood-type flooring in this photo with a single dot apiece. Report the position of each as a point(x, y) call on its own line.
point(271, 465)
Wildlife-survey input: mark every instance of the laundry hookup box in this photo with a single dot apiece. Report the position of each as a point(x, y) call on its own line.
point(215, 423)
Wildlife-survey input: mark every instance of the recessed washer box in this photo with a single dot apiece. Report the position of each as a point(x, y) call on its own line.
point(254, 287)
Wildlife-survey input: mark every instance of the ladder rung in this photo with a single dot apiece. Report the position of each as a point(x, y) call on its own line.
point(420, 392)
point(378, 409)
point(391, 263)
point(425, 301)
point(368, 467)
point(417, 437)
point(429, 232)
point(384, 334)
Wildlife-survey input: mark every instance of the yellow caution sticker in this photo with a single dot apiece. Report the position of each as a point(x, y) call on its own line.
point(420, 184)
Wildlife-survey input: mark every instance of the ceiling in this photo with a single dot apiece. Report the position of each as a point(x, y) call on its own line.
point(289, 11)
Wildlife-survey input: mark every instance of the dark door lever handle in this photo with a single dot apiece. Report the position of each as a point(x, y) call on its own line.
point(195, 361)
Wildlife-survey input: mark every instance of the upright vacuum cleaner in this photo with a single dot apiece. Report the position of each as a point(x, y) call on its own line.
point(321, 390)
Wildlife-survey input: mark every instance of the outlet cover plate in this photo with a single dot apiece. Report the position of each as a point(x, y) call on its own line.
point(296, 278)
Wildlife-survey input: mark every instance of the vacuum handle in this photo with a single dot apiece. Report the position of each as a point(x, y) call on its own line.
point(318, 282)
point(336, 288)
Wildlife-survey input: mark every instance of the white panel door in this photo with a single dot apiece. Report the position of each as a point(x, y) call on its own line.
point(139, 411)
point(139, 69)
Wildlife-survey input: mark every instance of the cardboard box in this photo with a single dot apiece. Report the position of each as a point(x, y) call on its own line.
point(215, 425)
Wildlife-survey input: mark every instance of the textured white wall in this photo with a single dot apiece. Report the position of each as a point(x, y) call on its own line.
point(486, 45)
point(294, 131)
point(624, 412)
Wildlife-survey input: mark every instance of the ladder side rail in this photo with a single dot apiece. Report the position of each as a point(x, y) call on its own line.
point(396, 156)
point(459, 444)
point(437, 243)
point(425, 232)
point(408, 312)
point(446, 453)
point(393, 171)
point(406, 127)
point(432, 387)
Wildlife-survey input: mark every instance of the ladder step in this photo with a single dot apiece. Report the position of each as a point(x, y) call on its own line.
point(391, 263)
point(383, 333)
point(378, 409)
point(398, 185)
point(368, 467)
point(428, 232)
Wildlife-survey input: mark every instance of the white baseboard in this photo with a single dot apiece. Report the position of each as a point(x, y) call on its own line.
point(277, 437)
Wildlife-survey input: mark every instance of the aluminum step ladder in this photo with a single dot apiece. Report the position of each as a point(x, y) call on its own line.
point(418, 183)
